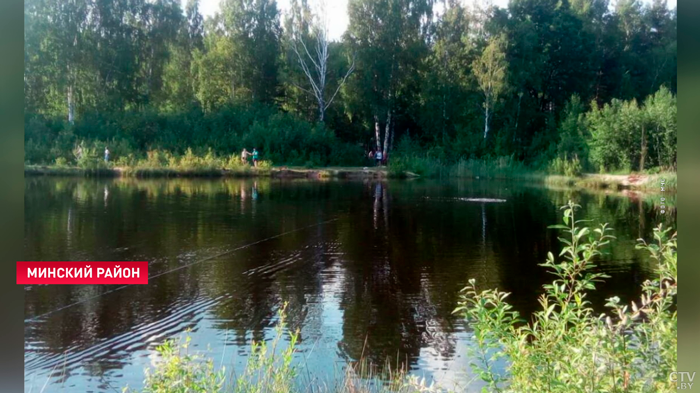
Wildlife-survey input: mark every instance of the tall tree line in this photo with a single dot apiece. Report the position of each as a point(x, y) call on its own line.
point(459, 80)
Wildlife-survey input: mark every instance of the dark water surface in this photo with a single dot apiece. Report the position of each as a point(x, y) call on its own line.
point(369, 269)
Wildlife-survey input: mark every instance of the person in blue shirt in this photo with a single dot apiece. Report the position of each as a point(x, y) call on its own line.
point(378, 157)
point(255, 157)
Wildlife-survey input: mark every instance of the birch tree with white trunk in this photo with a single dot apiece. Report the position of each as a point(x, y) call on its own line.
point(490, 72)
point(311, 48)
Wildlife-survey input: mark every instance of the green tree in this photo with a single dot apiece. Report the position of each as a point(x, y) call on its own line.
point(195, 25)
point(178, 80)
point(446, 76)
point(254, 30)
point(625, 136)
point(573, 133)
point(389, 39)
point(216, 72)
point(660, 139)
point(179, 74)
point(614, 129)
point(57, 44)
point(549, 60)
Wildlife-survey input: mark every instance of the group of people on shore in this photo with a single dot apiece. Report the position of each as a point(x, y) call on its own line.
point(244, 155)
point(254, 154)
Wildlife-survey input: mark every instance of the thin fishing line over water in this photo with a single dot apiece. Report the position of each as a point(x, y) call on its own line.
point(35, 318)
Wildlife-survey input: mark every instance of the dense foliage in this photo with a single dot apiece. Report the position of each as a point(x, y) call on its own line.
point(554, 84)
point(282, 137)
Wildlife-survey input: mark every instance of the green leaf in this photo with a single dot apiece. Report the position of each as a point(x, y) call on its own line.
point(582, 232)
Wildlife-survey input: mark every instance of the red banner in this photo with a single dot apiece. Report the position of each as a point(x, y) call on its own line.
point(82, 273)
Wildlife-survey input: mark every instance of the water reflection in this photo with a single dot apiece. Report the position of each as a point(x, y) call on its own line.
point(370, 269)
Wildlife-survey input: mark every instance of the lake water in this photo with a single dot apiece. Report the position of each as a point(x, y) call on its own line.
point(370, 269)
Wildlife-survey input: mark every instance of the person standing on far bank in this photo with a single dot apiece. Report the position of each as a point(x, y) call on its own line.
point(255, 157)
point(106, 154)
point(244, 156)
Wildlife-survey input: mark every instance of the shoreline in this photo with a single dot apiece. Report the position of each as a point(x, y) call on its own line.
point(282, 172)
point(631, 182)
point(627, 182)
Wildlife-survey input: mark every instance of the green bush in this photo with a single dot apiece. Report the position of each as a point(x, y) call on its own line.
point(421, 165)
point(233, 162)
point(61, 162)
point(190, 161)
point(410, 157)
point(178, 371)
point(567, 347)
point(626, 136)
point(264, 165)
point(126, 161)
point(157, 159)
point(564, 166)
point(91, 159)
point(280, 137)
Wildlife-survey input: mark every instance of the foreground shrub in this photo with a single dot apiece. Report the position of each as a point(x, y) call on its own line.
point(567, 347)
point(178, 371)
point(270, 369)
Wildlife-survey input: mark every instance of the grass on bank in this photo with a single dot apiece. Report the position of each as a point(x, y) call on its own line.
point(487, 168)
point(162, 163)
point(559, 172)
point(565, 347)
point(157, 163)
point(641, 182)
